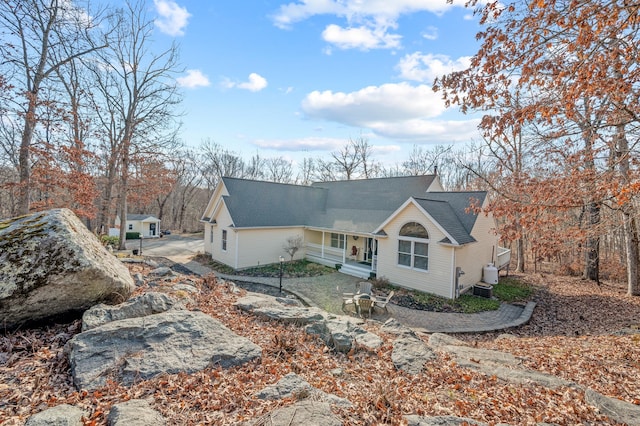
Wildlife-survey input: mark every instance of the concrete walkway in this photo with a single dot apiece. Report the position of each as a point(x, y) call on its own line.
point(325, 292)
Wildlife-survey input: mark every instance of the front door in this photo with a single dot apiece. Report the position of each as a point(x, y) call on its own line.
point(371, 249)
point(152, 229)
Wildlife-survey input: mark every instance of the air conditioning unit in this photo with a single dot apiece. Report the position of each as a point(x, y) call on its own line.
point(483, 291)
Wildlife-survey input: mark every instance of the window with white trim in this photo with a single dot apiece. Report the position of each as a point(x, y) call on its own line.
point(131, 227)
point(224, 240)
point(413, 246)
point(337, 240)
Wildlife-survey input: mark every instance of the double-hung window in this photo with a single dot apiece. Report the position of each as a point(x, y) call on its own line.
point(413, 246)
point(224, 240)
point(337, 240)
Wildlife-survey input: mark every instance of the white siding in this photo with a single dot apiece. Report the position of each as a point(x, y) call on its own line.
point(227, 256)
point(473, 257)
point(264, 246)
point(438, 279)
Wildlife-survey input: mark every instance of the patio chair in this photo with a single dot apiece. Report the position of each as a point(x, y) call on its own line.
point(347, 299)
point(365, 305)
point(365, 287)
point(382, 302)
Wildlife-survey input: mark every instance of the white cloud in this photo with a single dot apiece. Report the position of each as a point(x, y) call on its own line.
point(430, 33)
point(388, 102)
point(360, 37)
point(255, 83)
point(355, 10)
point(173, 18)
point(386, 149)
point(302, 144)
point(400, 111)
point(425, 68)
point(367, 21)
point(441, 131)
point(193, 79)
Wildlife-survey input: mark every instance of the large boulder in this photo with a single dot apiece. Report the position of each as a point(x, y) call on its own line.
point(135, 412)
point(50, 264)
point(144, 347)
point(140, 306)
point(60, 415)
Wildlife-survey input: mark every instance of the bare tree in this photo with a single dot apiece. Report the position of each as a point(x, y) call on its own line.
point(255, 167)
point(40, 37)
point(293, 245)
point(278, 170)
point(424, 161)
point(364, 150)
point(347, 160)
point(305, 174)
point(139, 93)
point(324, 171)
point(219, 162)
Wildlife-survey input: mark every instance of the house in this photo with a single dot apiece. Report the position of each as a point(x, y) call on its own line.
point(148, 226)
point(406, 229)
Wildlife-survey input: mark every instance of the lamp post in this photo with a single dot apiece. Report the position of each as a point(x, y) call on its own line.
point(281, 268)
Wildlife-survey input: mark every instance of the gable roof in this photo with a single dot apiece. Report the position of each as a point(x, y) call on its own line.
point(451, 211)
point(359, 206)
point(353, 205)
point(362, 205)
point(254, 203)
point(141, 217)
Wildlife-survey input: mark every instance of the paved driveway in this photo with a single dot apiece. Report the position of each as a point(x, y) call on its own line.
point(178, 248)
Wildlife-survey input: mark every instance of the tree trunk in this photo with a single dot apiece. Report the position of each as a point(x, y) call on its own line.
point(122, 207)
point(633, 257)
point(592, 245)
point(24, 158)
point(629, 224)
point(520, 264)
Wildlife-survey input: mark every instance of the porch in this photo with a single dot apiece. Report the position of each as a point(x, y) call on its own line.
point(503, 259)
point(351, 263)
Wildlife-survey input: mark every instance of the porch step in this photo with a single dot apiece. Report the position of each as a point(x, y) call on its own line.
point(355, 271)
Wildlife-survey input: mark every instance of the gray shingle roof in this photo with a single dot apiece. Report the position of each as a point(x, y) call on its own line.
point(140, 216)
point(350, 206)
point(449, 209)
point(362, 205)
point(254, 203)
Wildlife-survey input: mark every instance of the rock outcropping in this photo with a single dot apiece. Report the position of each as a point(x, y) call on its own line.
point(130, 342)
point(50, 264)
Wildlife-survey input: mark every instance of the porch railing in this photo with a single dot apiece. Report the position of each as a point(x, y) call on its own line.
point(503, 258)
point(332, 254)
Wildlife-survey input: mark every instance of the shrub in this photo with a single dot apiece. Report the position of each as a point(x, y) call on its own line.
point(132, 236)
point(380, 283)
point(107, 240)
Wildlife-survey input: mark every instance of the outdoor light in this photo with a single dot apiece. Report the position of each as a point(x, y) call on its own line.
point(281, 268)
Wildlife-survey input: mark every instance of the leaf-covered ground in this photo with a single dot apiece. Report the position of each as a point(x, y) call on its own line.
point(570, 335)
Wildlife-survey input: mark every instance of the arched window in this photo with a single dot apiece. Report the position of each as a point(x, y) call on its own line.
point(413, 246)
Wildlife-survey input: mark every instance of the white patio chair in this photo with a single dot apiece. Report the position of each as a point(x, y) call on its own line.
point(347, 299)
point(382, 302)
point(365, 305)
point(365, 287)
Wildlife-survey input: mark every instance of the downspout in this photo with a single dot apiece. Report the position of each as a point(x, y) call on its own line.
point(454, 274)
point(237, 244)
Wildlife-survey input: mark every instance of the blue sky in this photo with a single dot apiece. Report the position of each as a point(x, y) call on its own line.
point(300, 78)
